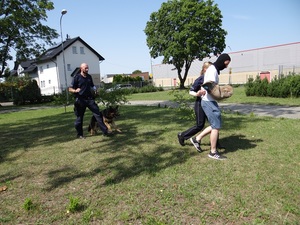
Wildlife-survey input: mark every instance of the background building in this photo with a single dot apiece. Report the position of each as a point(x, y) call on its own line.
point(270, 62)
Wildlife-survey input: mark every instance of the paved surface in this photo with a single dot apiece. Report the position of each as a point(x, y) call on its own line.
point(260, 110)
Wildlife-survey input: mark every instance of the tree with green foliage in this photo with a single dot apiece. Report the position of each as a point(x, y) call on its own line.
point(137, 72)
point(22, 89)
point(184, 30)
point(122, 79)
point(22, 29)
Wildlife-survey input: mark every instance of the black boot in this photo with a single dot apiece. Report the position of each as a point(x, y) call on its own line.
point(180, 139)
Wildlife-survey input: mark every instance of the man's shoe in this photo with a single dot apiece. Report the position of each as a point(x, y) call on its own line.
point(80, 137)
point(217, 156)
point(180, 139)
point(196, 144)
point(109, 134)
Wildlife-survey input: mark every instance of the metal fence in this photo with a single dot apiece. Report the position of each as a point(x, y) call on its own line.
point(285, 70)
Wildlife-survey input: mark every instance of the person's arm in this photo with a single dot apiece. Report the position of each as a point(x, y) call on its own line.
point(198, 93)
point(72, 90)
point(196, 89)
point(74, 84)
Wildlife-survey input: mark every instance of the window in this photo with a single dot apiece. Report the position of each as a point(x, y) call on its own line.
point(82, 50)
point(49, 81)
point(41, 69)
point(42, 83)
point(47, 66)
point(69, 67)
point(74, 50)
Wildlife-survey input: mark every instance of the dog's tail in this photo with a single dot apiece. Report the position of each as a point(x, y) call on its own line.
point(92, 123)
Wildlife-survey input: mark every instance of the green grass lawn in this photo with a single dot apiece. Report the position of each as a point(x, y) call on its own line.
point(239, 96)
point(143, 176)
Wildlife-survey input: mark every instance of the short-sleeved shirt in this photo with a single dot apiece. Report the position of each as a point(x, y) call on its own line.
point(84, 83)
point(211, 74)
point(197, 86)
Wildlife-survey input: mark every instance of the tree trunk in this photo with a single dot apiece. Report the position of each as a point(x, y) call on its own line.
point(182, 79)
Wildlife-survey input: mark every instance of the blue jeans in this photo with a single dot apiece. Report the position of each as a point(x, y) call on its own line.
point(79, 109)
point(213, 113)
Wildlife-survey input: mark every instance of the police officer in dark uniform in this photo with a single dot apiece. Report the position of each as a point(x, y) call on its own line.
point(83, 87)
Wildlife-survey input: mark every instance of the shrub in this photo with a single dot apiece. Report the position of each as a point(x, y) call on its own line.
point(27, 91)
point(6, 91)
point(294, 86)
point(61, 99)
point(263, 87)
point(113, 98)
point(184, 101)
point(249, 87)
point(284, 87)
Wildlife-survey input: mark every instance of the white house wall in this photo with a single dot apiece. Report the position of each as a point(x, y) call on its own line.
point(281, 59)
point(55, 72)
point(75, 60)
point(48, 78)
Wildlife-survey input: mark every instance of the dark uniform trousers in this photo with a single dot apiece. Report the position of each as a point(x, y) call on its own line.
point(200, 122)
point(80, 106)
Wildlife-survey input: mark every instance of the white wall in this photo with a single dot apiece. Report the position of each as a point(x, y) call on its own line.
point(244, 64)
point(49, 78)
point(55, 72)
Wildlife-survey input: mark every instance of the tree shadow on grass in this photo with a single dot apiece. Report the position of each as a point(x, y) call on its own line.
point(34, 132)
point(129, 153)
point(138, 163)
point(145, 163)
point(116, 169)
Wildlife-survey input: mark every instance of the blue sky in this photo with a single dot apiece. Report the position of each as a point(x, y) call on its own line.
point(114, 28)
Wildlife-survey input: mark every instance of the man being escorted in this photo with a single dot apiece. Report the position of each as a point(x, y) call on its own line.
point(83, 87)
point(211, 107)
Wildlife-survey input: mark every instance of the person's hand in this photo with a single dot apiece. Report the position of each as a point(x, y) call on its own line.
point(201, 93)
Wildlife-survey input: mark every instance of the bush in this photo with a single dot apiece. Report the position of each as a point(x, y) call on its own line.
point(61, 99)
point(184, 101)
point(295, 86)
point(249, 87)
point(284, 87)
point(27, 91)
point(147, 88)
point(6, 91)
point(113, 98)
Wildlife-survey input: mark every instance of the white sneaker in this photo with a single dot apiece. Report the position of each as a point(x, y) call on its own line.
point(216, 156)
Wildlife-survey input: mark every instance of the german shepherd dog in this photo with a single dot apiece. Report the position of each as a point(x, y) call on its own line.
point(109, 116)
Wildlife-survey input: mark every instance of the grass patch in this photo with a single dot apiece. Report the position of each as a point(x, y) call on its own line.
point(28, 204)
point(143, 176)
point(238, 96)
